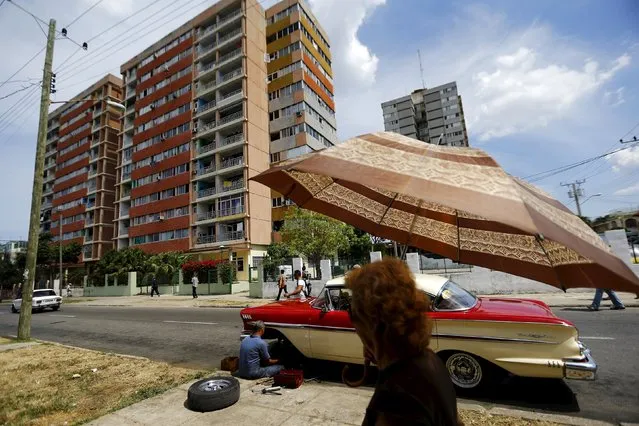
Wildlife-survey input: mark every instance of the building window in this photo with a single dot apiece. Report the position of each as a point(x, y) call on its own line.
point(240, 264)
point(275, 157)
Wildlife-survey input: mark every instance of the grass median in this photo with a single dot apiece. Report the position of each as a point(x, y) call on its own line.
point(39, 388)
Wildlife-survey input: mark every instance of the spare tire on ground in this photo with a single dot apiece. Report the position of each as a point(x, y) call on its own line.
point(213, 393)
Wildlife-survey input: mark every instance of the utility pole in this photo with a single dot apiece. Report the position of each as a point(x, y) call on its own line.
point(60, 249)
point(576, 192)
point(24, 323)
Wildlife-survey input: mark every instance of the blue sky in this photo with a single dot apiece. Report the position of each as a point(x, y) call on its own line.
point(543, 83)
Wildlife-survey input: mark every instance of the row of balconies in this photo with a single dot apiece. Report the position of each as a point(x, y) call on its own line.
point(210, 239)
point(203, 193)
point(205, 31)
point(216, 214)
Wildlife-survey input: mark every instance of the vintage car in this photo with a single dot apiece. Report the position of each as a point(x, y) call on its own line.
point(478, 338)
point(41, 300)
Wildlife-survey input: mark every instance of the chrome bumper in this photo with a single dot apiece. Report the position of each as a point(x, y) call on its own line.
point(584, 369)
point(244, 335)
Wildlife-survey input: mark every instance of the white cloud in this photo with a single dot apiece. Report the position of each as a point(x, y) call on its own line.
point(354, 64)
point(114, 7)
point(631, 190)
point(614, 98)
point(625, 159)
point(522, 94)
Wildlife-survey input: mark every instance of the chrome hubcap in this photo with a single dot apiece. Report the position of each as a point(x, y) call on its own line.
point(464, 370)
point(214, 385)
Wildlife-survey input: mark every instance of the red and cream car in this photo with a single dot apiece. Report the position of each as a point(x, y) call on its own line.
point(477, 337)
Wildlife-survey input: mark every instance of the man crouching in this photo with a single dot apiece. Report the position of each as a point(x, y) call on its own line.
point(255, 361)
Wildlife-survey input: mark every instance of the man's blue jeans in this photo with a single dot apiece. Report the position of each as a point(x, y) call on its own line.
point(599, 294)
point(269, 371)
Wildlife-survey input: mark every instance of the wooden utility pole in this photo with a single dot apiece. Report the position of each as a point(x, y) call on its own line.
point(24, 324)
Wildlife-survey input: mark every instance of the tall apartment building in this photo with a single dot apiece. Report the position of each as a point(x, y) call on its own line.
point(300, 87)
point(195, 130)
point(434, 115)
point(11, 249)
point(80, 162)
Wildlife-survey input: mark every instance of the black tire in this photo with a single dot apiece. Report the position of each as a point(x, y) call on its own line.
point(468, 372)
point(13, 309)
point(213, 393)
point(55, 308)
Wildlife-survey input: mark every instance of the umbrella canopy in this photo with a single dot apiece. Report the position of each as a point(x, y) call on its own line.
point(456, 202)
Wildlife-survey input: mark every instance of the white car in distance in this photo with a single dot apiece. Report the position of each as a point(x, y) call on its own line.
point(42, 299)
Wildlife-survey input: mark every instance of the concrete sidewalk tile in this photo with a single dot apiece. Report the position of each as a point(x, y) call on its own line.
point(301, 420)
point(157, 410)
point(241, 414)
point(347, 407)
point(470, 407)
point(12, 346)
point(113, 419)
point(557, 418)
point(290, 400)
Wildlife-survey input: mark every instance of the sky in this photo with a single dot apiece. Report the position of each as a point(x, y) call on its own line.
point(544, 84)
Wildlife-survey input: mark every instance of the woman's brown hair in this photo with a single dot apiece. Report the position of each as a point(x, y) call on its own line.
point(386, 301)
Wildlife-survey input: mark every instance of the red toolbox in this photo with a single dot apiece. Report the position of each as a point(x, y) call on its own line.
point(291, 379)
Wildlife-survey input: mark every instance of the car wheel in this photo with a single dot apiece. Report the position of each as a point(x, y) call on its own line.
point(13, 309)
point(467, 371)
point(55, 308)
point(213, 393)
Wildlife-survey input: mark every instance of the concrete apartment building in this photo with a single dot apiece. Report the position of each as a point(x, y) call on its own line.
point(194, 131)
point(300, 88)
point(434, 115)
point(80, 161)
point(11, 249)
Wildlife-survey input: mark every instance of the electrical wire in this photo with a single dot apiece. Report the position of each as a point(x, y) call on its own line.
point(16, 113)
point(83, 13)
point(19, 90)
point(123, 20)
point(113, 42)
point(68, 57)
point(22, 67)
point(8, 112)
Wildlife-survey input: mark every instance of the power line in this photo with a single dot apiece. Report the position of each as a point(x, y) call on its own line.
point(170, 15)
point(99, 49)
point(19, 90)
point(83, 13)
point(22, 67)
point(11, 108)
point(25, 103)
point(68, 57)
point(557, 170)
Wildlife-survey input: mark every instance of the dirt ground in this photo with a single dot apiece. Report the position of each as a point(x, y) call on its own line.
point(38, 387)
point(474, 418)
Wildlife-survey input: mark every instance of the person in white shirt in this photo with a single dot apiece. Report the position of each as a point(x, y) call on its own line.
point(194, 283)
point(298, 293)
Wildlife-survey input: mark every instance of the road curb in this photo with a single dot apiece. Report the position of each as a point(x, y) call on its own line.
point(532, 415)
point(48, 342)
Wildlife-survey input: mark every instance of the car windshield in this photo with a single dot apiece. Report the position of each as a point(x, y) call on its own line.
point(43, 293)
point(454, 298)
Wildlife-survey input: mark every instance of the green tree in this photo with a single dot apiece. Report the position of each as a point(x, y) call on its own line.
point(360, 244)
point(276, 254)
point(313, 235)
point(71, 252)
point(165, 264)
point(10, 274)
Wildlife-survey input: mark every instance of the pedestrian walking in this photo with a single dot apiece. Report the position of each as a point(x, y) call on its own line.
point(194, 283)
point(298, 293)
point(307, 281)
point(616, 303)
point(281, 283)
point(68, 289)
point(154, 286)
point(387, 310)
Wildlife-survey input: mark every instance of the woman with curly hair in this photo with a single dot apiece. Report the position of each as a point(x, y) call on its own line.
point(389, 315)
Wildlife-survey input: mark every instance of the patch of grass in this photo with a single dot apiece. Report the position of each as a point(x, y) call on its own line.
point(5, 341)
point(38, 387)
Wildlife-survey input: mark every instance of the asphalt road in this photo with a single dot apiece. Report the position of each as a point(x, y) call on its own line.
point(201, 337)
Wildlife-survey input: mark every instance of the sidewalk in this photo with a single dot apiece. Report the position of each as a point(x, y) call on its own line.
point(311, 404)
point(574, 299)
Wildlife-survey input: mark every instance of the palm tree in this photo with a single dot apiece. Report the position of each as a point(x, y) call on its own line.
point(166, 264)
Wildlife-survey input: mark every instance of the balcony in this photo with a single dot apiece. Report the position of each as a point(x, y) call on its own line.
point(205, 69)
point(93, 172)
point(206, 192)
point(232, 162)
point(49, 177)
point(229, 36)
point(90, 221)
point(88, 238)
point(205, 239)
point(206, 127)
point(47, 205)
point(230, 97)
point(92, 188)
point(230, 212)
point(130, 110)
point(206, 107)
point(204, 88)
point(206, 170)
point(230, 117)
point(205, 49)
point(206, 148)
point(228, 18)
point(231, 55)
point(231, 75)
point(232, 139)
point(206, 216)
point(126, 176)
point(239, 184)
point(231, 236)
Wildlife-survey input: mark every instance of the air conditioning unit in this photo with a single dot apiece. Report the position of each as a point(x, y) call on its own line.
point(298, 113)
point(267, 58)
point(195, 129)
point(152, 107)
point(161, 217)
point(166, 67)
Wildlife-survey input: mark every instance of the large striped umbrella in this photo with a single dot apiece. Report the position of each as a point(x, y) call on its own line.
point(456, 202)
